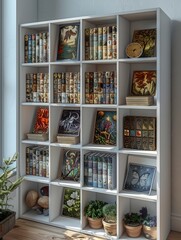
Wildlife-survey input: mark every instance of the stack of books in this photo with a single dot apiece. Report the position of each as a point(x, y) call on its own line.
point(140, 100)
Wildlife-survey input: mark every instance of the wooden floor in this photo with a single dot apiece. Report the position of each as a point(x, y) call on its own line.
point(27, 230)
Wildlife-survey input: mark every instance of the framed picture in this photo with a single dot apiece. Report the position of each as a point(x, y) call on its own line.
point(105, 127)
point(139, 178)
point(147, 39)
point(71, 203)
point(69, 123)
point(143, 83)
point(68, 42)
point(71, 165)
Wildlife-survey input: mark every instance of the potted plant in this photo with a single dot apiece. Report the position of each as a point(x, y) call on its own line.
point(94, 214)
point(110, 219)
point(149, 224)
point(7, 217)
point(133, 224)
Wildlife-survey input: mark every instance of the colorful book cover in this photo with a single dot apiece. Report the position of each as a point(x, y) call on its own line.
point(68, 43)
point(87, 44)
point(109, 42)
point(71, 165)
point(71, 203)
point(100, 43)
point(69, 123)
point(105, 128)
point(95, 43)
point(41, 124)
point(112, 171)
point(104, 43)
point(26, 48)
point(143, 83)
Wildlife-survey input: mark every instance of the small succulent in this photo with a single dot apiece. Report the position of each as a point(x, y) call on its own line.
point(109, 213)
point(94, 209)
point(133, 219)
point(148, 220)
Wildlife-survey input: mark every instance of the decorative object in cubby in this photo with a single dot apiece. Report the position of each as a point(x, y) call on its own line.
point(133, 224)
point(110, 219)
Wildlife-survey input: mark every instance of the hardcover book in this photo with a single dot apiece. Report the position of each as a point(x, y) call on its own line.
point(71, 165)
point(69, 126)
point(147, 39)
point(71, 203)
point(68, 42)
point(105, 127)
point(40, 125)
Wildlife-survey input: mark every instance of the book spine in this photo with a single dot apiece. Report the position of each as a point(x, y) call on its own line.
point(91, 44)
point(63, 82)
point(95, 43)
point(34, 87)
point(45, 43)
point(112, 98)
point(41, 46)
point(68, 90)
point(100, 87)
point(46, 88)
point(112, 172)
point(37, 162)
point(99, 172)
point(41, 81)
point(104, 42)
point(107, 75)
point(59, 87)
point(27, 160)
point(26, 48)
point(94, 171)
point(37, 48)
point(47, 163)
point(31, 161)
point(34, 162)
point(55, 87)
point(48, 48)
point(87, 44)
point(109, 42)
point(90, 171)
point(104, 87)
point(29, 48)
point(44, 163)
point(100, 43)
point(114, 42)
point(91, 87)
point(75, 82)
point(95, 82)
point(86, 87)
point(86, 169)
point(28, 89)
point(33, 48)
point(105, 172)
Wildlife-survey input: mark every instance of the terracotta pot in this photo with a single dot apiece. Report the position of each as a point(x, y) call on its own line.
point(95, 223)
point(133, 231)
point(110, 228)
point(7, 224)
point(150, 232)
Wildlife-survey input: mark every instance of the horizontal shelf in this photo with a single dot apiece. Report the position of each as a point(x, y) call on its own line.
point(67, 222)
point(138, 152)
point(99, 106)
point(100, 147)
point(64, 183)
point(36, 179)
point(110, 61)
point(26, 141)
point(96, 232)
point(138, 60)
point(44, 64)
point(34, 104)
point(64, 105)
point(153, 107)
point(66, 62)
point(32, 215)
point(136, 195)
point(100, 190)
point(78, 146)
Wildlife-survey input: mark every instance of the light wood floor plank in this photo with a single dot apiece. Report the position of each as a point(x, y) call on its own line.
point(29, 230)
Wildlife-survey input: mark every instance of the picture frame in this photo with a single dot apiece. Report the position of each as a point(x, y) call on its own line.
point(147, 39)
point(71, 165)
point(143, 83)
point(105, 127)
point(139, 178)
point(71, 203)
point(68, 42)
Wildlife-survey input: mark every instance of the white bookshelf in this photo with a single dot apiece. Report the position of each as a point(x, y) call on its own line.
point(158, 203)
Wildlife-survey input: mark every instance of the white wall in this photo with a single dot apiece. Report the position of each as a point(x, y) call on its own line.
point(56, 9)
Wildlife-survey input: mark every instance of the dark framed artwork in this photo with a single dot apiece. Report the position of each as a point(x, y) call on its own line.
point(139, 178)
point(105, 127)
point(68, 42)
point(71, 165)
point(71, 203)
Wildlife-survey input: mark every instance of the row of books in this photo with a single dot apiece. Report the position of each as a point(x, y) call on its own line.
point(100, 170)
point(37, 87)
point(36, 47)
point(101, 43)
point(100, 87)
point(66, 87)
point(37, 161)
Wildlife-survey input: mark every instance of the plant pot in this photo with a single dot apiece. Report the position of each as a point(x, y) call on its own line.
point(95, 223)
point(150, 232)
point(133, 231)
point(110, 228)
point(8, 223)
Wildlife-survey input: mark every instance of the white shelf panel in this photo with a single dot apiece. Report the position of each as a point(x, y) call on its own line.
point(67, 222)
point(32, 215)
point(44, 64)
point(35, 104)
point(65, 63)
point(36, 179)
point(99, 106)
point(131, 194)
point(64, 183)
point(76, 146)
point(138, 60)
point(153, 107)
point(100, 147)
point(125, 237)
point(45, 143)
point(112, 61)
point(138, 152)
point(97, 232)
point(64, 105)
point(100, 190)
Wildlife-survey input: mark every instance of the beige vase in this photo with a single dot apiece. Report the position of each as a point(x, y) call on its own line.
point(150, 232)
point(95, 223)
point(110, 228)
point(133, 231)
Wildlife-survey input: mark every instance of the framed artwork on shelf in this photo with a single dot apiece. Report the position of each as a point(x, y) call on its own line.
point(40, 125)
point(139, 178)
point(69, 126)
point(71, 203)
point(71, 165)
point(105, 127)
point(143, 83)
point(68, 42)
point(147, 39)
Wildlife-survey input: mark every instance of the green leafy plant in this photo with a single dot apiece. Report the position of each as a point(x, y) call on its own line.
point(133, 219)
point(109, 213)
point(6, 184)
point(94, 209)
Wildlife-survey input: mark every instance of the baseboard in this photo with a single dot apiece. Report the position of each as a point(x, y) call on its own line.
point(176, 222)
